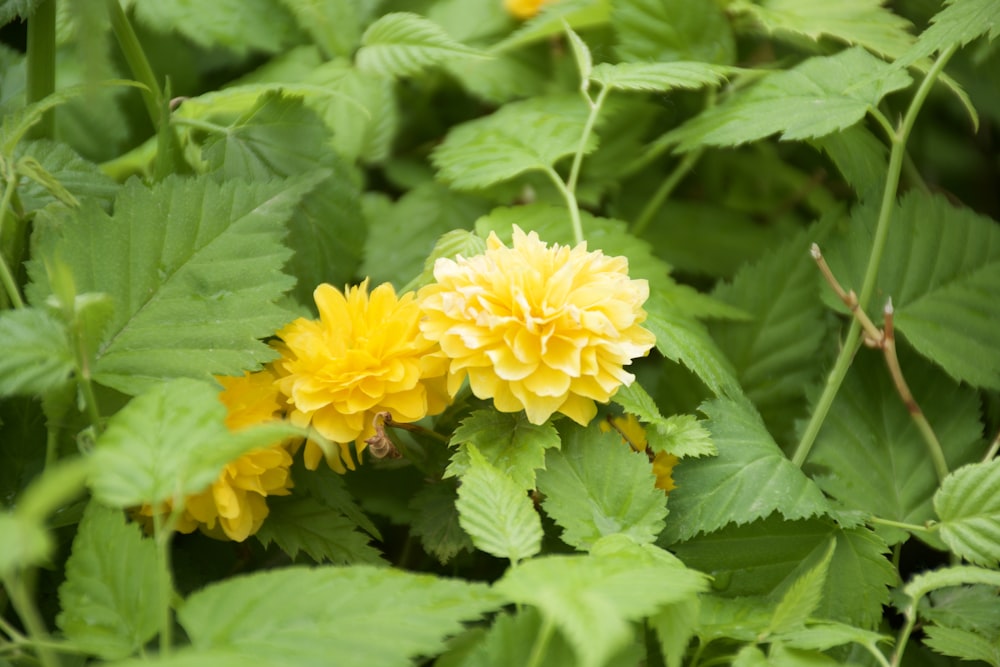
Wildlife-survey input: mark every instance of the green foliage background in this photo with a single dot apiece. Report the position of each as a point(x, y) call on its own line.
point(178, 177)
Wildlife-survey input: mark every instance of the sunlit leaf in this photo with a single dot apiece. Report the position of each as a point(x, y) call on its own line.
point(37, 355)
point(968, 504)
point(508, 441)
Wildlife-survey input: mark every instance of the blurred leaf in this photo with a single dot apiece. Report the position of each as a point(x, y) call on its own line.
point(191, 297)
point(671, 30)
point(334, 26)
point(436, 521)
point(37, 356)
point(531, 135)
point(749, 479)
point(958, 23)
point(963, 644)
point(507, 441)
point(24, 543)
point(170, 442)
point(23, 9)
point(824, 635)
point(591, 598)
point(402, 44)
point(975, 608)
point(822, 95)
point(869, 454)
point(305, 524)
point(496, 512)
point(968, 504)
point(581, 53)
point(579, 14)
point(110, 599)
point(658, 77)
point(596, 485)
point(675, 624)
point(332, 615)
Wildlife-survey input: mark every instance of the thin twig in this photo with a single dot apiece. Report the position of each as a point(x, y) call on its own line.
point(994, 447)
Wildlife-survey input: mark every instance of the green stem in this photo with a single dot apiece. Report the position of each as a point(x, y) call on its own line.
point(909, 527)
point(595, 110)
point(21, 600)
point(41, 63)
point(843, 362)
point(992, 451)
point(541, 643)
point(571, 204)
point(664, 191)
point(136, 59)
point(163, 532)
point(6, 275)
point(904, 634)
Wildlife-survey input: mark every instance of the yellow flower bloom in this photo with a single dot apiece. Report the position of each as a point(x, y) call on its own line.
point(234, 506)
point(524, 9)
point(634, 435)
point(537, 328)
point(363, 356)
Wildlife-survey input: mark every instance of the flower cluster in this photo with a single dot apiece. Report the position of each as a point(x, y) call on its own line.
point(634, 435)
point(537, 328)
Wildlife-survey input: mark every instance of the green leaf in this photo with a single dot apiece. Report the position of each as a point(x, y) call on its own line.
point(403, 44)
point(37, 356)
point(957, 575)
point(975, 608)
point(496, 511)
point(968, 504)
point(507, 441)
point(803, 597)
point(305, 524)
point(591, 598)
point(110, 599)
point(680, 435)
point(824, 635)
point(658, 77)
point(671, 30)
point(510, 641)
point(870, 456)
point(941, 267)
point(332, 615)
point(864, 22)
point(23, 9)
point(675, 625)
point(579, 14)
point(958, 23)
point(685, 340)
point(436, 521)
point(334, 26)
point(962, 644)
point(24, 543)
point(451, 244)
point(191, 297)
point(749, 479)
point(581, 53)
point(170, 442)
point(329, 488)
point(860, 157)
point(521, 136)
point(595, 485)
point(775, 352)
point(822, 95)
point(82, 179)
point(240, 26)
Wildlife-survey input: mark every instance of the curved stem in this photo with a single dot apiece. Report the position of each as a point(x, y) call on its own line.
point(571, 204)
point(595, 110)
point(6, 275)
point(136, 59)
point(843, 362)
point(541, 643)
point(664, 191)
point(25, 607)
point(909, 527)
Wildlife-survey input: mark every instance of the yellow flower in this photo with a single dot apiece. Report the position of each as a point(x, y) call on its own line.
point(537, 328)
point(234, 506)
point(524, 9)
point(634, 435)
point(363, 356)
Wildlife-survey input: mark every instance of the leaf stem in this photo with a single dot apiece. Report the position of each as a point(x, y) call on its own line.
point(664, 191)
point(162, 533)
point(41, 63)
point(6, 275)
point(541, 643)
point(588, 128)
point(571, 204)
point(136, 59)
point(27, 611)
point(843, 362)
point(909, 527)
point(994, 447)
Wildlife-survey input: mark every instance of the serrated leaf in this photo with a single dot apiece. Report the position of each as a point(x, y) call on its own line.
point(803, 597)
point(685, 340)
point(191, 297)
point(822, 95)
point(591, 598)
point(675, 625)
point(37, 356)
point(864, 22)
point(671, 30)
point(941, 267)
point(581, 53)
point(170, 442)
point(334, 26)
point(82, 179)
point(531, 135)
point(332, 615)
point(436, 521)
point(596, 485)
point(496, 512)
point(968, 504)
point(962, 644)
point(110, 599)
point(507, 441)
point(17, 8)
point(958, 23)
point(457, 242)
point(329, 488)
point(869, 454)
point(774, 353)
point(403, 44)
point(860, 157)
point(680, 435)
point(824, 635)
point(957, 575)
point(305, 524)
point(975, 608)
point(658, 77)
point(749, 479)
